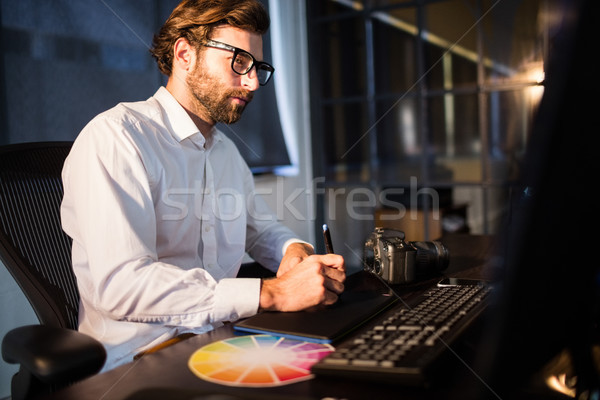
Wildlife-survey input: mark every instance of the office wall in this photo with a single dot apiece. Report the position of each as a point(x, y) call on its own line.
point(65, 61)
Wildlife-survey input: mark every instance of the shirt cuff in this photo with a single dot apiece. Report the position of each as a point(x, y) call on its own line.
point(236, 298)
point(290, 241)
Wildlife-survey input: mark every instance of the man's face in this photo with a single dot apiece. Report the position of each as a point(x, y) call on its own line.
point(222, 94)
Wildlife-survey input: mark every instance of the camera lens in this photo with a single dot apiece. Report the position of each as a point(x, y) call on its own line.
point(377, 267)
point(432, 257)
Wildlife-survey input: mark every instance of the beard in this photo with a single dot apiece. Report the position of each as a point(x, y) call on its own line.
point(214, 98)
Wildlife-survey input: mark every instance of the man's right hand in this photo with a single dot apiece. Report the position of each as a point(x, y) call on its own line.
point(317, 280)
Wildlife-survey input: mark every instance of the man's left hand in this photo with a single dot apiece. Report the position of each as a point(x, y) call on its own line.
point(295, 253)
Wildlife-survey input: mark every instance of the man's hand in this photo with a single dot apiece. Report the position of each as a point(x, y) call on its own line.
point(316, 280)
point(295, 253)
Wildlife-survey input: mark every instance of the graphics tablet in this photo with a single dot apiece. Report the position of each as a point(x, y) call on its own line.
point(364, 297)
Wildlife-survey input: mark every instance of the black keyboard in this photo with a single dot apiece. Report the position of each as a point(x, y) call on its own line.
point(402, 344)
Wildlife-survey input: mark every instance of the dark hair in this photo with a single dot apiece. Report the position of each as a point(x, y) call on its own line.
point(196, 19)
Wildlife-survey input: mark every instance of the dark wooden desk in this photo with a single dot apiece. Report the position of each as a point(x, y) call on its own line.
point(165, 374)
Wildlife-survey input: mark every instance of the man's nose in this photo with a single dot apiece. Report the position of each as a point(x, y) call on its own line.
point(250, 80)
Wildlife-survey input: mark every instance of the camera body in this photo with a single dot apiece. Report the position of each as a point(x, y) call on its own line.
point(396, 261)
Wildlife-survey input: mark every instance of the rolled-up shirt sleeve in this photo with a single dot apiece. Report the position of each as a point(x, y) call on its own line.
point(245, 291)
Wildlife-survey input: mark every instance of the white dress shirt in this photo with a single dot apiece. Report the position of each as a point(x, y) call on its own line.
point(160, 220)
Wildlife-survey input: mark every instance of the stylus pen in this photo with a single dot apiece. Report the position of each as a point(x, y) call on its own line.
point(327, 237)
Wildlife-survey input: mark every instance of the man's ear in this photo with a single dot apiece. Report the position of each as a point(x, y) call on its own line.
point(183, 54)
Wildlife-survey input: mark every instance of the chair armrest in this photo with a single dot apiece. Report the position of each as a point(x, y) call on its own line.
point(53, 355)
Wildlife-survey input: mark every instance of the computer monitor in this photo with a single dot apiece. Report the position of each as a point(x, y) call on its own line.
point(548, 284)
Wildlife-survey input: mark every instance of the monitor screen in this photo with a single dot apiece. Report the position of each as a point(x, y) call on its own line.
point(547, 282)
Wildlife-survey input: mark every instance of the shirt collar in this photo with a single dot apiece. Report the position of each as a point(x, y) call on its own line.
point(177, 119)
point(179, 122)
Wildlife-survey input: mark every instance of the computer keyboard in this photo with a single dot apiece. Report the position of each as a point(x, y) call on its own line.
point(402, 344)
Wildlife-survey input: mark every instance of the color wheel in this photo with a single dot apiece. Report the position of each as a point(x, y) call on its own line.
point(257, 360)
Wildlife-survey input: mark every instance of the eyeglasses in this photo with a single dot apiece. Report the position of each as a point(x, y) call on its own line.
point(243, 62)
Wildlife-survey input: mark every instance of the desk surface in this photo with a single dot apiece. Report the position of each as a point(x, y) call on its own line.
point(165, 374)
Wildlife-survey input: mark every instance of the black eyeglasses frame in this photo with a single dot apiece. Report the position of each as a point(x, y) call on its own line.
point(261, 66)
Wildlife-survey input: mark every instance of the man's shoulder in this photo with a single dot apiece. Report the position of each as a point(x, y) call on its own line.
point(128, 114)
point(127, 125)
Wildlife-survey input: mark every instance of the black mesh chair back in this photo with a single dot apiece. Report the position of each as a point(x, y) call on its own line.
point(33, 246)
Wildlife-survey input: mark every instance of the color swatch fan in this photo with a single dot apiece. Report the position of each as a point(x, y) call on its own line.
point(257, 360)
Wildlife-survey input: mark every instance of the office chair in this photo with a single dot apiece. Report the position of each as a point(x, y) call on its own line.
point(37, 253)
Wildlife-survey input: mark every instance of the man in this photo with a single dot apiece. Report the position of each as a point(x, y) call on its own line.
point(161, 206)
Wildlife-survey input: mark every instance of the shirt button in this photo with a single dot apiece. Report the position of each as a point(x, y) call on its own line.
point(234, 316)
point(207, 228)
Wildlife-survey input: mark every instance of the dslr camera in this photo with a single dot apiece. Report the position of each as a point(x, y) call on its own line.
point(396, 261)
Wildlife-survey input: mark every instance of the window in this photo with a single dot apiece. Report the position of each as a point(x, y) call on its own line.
point(423, 105)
